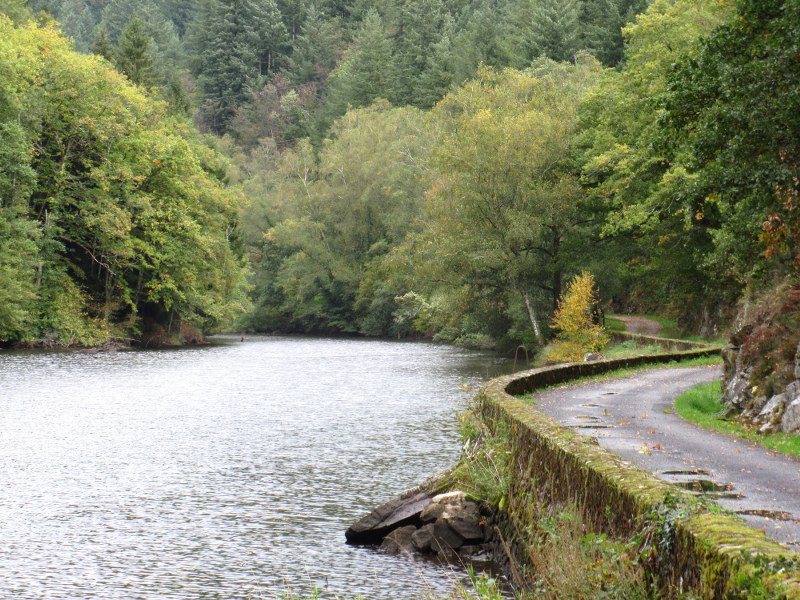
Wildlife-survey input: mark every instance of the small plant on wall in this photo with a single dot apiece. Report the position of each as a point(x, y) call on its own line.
point(573, 320)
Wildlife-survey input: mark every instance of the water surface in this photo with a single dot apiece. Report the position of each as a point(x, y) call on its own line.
point(229, 471)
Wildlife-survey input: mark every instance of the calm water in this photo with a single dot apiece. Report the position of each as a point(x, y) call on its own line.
point(228, 471)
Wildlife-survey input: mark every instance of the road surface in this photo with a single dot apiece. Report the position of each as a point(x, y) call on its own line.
point(633, 418)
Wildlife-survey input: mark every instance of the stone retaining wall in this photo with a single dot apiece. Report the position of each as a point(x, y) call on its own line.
point(713, 555)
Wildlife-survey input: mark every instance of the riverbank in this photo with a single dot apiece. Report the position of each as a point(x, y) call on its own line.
point(560, 482)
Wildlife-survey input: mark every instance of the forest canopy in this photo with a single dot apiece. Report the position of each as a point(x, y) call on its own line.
point(391, 167)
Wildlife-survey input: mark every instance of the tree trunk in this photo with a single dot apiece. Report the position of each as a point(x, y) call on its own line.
point(557, 273)
point(532, 316)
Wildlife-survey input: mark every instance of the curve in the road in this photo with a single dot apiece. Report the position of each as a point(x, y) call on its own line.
point(640, 325)
point(633, 418)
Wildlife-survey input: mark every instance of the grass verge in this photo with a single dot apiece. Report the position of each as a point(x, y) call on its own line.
point(702, 405)
point(703, 361)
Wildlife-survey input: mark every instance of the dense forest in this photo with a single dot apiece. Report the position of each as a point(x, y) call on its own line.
point(391, 167)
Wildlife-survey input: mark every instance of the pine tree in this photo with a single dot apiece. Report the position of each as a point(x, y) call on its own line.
point(272, 35)
point(77, 21)
point(314, 50)
point(479, 39)
point(244, 38)
point(363, 74)
point(133, 54)
point(417, 26)
point(543, 28)
point(438, 75)
point(295, 13)
point(102, 45)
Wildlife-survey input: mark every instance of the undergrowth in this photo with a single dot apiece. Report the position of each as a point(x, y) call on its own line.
point(568, 561)
point(703, 406)
point(565, 558)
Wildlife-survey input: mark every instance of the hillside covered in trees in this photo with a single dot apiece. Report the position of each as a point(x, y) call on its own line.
point(391, 167)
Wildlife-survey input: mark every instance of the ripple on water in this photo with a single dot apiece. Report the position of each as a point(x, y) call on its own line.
point(229, 471)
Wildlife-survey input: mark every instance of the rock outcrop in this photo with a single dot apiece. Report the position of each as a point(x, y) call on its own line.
point(447, 526)
point(762, 364)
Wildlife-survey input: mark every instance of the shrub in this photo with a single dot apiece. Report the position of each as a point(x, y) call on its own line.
point(577, 333)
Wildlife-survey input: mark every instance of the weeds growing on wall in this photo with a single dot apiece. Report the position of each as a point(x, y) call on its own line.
point(484, 469)
point(565, 559)
point(570, 562)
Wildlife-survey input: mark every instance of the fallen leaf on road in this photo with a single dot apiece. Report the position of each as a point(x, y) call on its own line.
point(644, 450)
point(651, 431)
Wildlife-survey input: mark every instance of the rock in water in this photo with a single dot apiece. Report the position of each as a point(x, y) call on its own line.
point(423, 537)
point(399, 541)
point(398, 512)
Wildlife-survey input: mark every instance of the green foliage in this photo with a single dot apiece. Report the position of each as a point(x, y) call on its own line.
point(637, 179)
point(332, 222)
point(16, 10)
point(112, 206)
point(504, 208)
point(132, 55)
point(733, 108)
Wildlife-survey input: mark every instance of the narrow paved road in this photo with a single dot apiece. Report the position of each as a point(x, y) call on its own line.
point(641, 325)
point(633, 418)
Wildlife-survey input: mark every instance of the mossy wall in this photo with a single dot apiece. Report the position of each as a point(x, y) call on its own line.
point(707, 554)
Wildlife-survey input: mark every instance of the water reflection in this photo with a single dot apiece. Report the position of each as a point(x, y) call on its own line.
point(229, 471)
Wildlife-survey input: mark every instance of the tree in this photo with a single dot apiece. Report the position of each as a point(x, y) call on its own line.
point(329, 224)
point(543, 28)
point(630, 170)
point(416, 27)
point(125, 222)
point(733, 106)
point(576, 331)
point(505, 206)
point(315, 49)
point(242, 39)
point(77, 21)
point(102, 45)
point(18, 11)
point(132, 55)
point(363, 74)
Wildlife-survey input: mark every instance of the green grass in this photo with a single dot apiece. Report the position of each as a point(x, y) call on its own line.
point(703, 361)
point(702, 405)
point(614, 325)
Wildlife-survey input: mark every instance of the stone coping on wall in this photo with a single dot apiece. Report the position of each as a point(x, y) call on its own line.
point(713, 554)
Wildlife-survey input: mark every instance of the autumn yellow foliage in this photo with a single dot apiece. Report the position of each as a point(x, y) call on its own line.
point(577, 333)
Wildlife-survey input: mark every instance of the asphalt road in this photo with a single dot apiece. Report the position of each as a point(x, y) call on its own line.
point(633, 418)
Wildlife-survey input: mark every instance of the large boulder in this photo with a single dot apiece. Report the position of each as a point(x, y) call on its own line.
point(790, 423)
point(398, 512)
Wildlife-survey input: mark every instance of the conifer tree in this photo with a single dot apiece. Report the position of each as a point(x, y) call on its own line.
point(77, 21)
point(242, 40)
point(102, 45)
point(363, 74)
point(417, 27)
point(133, 54)
point(314, 50)
point(544, 28)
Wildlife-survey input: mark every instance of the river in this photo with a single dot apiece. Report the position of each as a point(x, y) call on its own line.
point(225, 471)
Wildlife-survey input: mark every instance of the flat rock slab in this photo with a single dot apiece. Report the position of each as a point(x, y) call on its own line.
point(398, 512)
